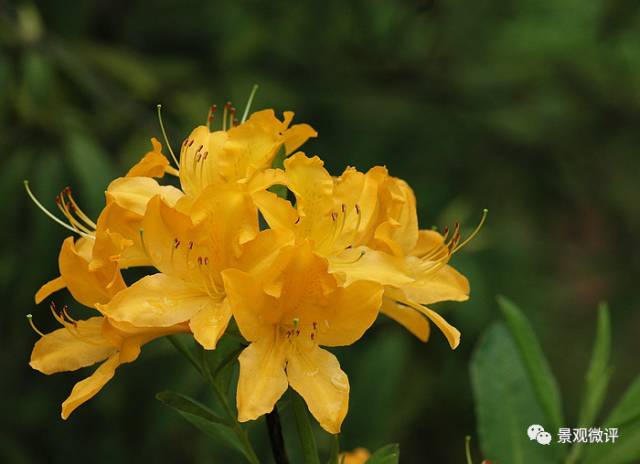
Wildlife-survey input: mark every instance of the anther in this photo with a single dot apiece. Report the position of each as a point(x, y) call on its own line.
point(190, 143)
point(191, 245)
point(297, 220)
point(176, 243)
point(344, 208)
point(334, 215)
point(206, 261)
point(357, 208)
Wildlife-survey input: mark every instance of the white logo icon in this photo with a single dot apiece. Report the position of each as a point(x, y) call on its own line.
point(536, 432)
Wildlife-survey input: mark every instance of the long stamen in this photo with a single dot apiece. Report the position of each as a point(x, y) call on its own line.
point(247, 108)
point(164, 134)
point(51, 215)
point(33, 326)
point(64, 208)
point(474, 233)
point(225, 111)
point(211, 116)
point(79, 211)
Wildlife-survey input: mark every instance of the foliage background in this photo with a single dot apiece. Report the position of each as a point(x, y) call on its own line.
point(528, 108)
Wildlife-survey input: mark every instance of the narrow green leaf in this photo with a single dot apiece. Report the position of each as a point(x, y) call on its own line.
point(596, 379)
point(188, 406)
point(535, 363)
point(388, 454)
point(204, 419)
point(628, 409)
point(506, 403)
point(626, 417)
point(625, 450)
point(307, 439)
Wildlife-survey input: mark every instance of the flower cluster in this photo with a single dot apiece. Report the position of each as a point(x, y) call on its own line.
point(296, 274)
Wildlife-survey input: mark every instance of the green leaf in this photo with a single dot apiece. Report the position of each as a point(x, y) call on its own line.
point(388, 454)
point(599, 372)
point(203, 418)
point(626, 417)
point(596, 379)
point(506, 403)
point(628, 409)
point(535, 363)
point(625, 450)
point(307, 439)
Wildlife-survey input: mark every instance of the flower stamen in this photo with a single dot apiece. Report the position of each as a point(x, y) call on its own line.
point(33, 326)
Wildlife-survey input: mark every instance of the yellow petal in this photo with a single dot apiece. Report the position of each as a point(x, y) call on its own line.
point(87, 388)
point(262, 180)
point(262, 377)
point(254, 310)
point(446, 284)
point(277, 212)
point(133, 193)
point(259, 254)
point(87, 286)
point(350, 312)
point(50, 287)
point(297, 135)
point(153, 164)
point(408, 317)
point(316, 375)
point(450, 332)
point(62, 350)
point(311, 183)
point(363, 263)
point(156, 301)
point(428, 242)
point(209, 323)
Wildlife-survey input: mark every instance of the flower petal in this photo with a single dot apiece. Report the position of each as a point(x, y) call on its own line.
point(50, 287)
point(133, 193)
point(153, 164)
point(262, 377)
point(86, 285)
point(209, 323)
point(363, 263)
point(277, 212)
point(316, 375)
point(446, 284)
point(408, 317)
point(86, 389)
point(156, 301)
point(62, 350)
point(350, 313)
point(252, 308)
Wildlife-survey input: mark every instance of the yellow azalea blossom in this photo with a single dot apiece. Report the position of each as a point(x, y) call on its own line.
point(366, 226)
point(83, 343)
point(357, 456)
point(287, 314)
point(241, 155)
point(90, 266)
point(191, 251)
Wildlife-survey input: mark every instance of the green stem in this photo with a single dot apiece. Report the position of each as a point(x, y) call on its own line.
point(335, 450)
point(184, 351)
point(275, 437)
point(307, 439)
point(231, 416)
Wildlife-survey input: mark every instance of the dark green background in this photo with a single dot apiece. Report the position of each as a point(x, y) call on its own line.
point(528, 108)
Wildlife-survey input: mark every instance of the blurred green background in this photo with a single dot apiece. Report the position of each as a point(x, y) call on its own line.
point(528, 108)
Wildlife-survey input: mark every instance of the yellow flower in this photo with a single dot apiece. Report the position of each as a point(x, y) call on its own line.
point(191, 251)
point(357, 456)
point(152, 164)
point(90, 266)
point(86, 342)
point(366, 226)
point(287, 313)
point(241, 155)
